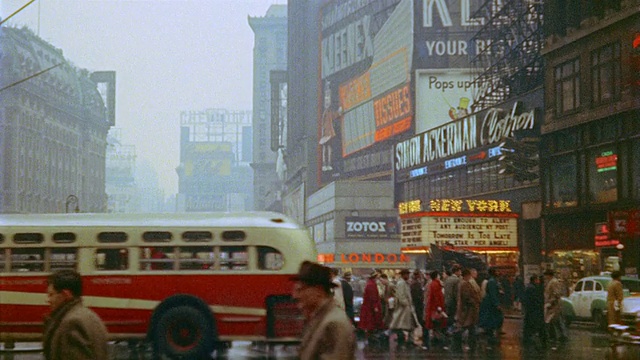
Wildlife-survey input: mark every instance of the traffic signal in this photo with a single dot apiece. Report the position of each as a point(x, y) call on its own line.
point(520, 158)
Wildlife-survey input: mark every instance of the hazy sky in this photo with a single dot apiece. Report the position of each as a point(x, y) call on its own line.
point(169, 56)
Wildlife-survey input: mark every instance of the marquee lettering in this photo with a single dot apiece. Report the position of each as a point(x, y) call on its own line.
point(495, 127)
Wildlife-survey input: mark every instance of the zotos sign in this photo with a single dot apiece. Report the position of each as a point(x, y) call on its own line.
point(358, 227)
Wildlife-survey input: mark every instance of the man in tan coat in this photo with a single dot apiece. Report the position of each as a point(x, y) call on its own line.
point(328, 333)
point(72, 331)
point(615, 295)
point(553, 291)
point(467, 310)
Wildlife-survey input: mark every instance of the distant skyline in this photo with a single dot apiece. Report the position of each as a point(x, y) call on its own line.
point(169, 56)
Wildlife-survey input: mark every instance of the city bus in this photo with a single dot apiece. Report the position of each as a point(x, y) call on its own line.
point(188, 283)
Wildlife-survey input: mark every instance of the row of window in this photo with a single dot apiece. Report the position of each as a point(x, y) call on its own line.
point(150, 258)
point(121, 237)
point(606, 81)
point(464, 181)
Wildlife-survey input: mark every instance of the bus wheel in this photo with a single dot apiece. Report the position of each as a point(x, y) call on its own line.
point(183, 332)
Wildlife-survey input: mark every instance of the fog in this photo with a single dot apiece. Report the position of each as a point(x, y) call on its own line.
point(169, 56)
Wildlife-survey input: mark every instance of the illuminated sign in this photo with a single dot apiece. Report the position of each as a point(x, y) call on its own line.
point(455, 162)
point(368, 258)
point(602, 236)
point(418, 172)
point(607, 161)
point(461, 230)
point(492, 206)
point(409, 207)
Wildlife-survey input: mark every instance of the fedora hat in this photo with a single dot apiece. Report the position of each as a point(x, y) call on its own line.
point(312, 273)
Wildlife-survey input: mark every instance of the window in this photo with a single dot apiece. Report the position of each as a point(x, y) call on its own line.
point(197, 258)
point(236, 235)
point(64, 238)
point(598, 286)
point(564, 179)
point(605, 74)
point(28, 238)
point(197, 236)
point(63, 258)
point(112, 259)
point(112, 237)
point(1, 238)
point(578, 287)
point(157, 258)
point(603, 175)
point(157, 236)
point(27, 259)
point(269, 258)
point(233, 258)
point(588, 286)
point(567, 87)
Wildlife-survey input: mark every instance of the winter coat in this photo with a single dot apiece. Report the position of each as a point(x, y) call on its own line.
point(371, 310)
point(614, 293)
point(435, 300)
point(74, 332)
point(468, 304)
point(533, 304)
point(451, 294)
point(552, 306)
point(417, 298)
point(491, 316)
point(402, 317)
point(347, 293)
point(328, 335)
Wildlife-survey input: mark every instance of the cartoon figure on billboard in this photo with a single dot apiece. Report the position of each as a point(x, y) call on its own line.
point(327, 130)
point(461, 111)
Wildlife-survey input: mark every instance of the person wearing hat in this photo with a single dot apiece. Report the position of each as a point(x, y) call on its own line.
point(371, 318)
point(402, 319)
point(553, 291)
point(347, 293)
point(328, 333)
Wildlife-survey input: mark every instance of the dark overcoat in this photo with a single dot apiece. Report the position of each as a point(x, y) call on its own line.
point(468, 307)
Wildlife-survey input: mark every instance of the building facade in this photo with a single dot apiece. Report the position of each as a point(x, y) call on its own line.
point(591, 137)
point(269, 53)
point(214, 172)
point(120, 174)
point(53, 128)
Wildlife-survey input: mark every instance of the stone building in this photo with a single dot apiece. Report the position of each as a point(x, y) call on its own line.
point(53, 128)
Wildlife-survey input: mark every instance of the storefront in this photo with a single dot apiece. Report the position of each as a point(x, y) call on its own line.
point(590, 196)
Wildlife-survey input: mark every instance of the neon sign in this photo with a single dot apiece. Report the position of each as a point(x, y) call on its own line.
point(408, 207)
point(607, 161)
point(500, 206)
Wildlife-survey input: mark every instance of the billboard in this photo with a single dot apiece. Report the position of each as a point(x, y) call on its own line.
point(442, 96)
point(366, 50)
point(444, 31)
point(371, 227)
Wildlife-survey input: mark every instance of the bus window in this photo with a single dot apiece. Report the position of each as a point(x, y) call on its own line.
point(29, 259)
point(196, 258)
point(63, 258)
point(64, 238)
point(157, 236)
point(197, 236)
point(234, 235)
point(233, 258)
point(112, 259)
point(112, 237)
point(1, 238)
point(269, 258)
point(28, 238)
point(156, 258)
point(3, 261)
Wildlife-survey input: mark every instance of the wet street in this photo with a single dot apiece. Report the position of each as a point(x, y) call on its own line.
point(584, 343)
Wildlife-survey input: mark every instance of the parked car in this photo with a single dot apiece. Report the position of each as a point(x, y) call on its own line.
point(588, 300)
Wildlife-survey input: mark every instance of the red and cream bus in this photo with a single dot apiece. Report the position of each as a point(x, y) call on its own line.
point(188, 282)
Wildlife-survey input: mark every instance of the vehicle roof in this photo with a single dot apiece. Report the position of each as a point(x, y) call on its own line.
point(605, 277)
point(208, 219)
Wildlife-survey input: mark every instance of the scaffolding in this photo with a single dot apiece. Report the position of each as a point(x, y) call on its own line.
point(511, 63)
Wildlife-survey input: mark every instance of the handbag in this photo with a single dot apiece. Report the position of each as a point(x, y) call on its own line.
point(416, 333)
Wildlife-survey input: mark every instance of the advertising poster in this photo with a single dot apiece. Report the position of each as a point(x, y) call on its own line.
point(366, 51)
point(442, 96)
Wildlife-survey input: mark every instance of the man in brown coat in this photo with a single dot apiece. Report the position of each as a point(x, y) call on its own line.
point(467, 309)
point(72, 331)
point(328, 333)
point(615, 296)
point(553, 291)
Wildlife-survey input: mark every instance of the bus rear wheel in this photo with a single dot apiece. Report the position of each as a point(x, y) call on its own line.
point(183, 332)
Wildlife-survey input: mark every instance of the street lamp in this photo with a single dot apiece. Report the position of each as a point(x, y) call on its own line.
point(72, 200)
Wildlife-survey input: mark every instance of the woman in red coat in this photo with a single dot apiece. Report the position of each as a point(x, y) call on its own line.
point(371, 310)
point(434, 316)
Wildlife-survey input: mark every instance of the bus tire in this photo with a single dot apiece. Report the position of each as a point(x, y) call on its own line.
point(183, 332)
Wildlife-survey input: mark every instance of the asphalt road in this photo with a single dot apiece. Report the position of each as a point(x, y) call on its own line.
point(584, 343)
